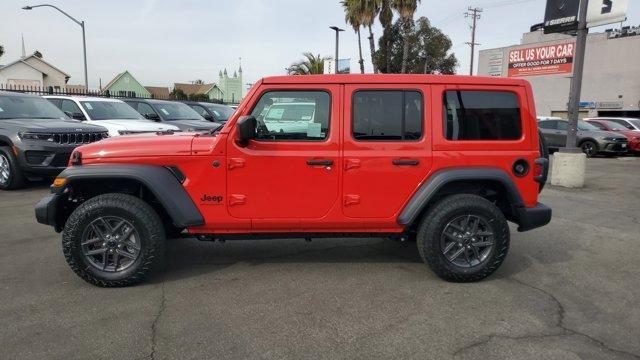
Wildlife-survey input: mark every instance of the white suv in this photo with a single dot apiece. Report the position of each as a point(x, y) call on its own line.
point(115, 115)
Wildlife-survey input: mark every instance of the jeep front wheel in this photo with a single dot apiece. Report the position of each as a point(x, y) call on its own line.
point(463, 238)
point(113, 240)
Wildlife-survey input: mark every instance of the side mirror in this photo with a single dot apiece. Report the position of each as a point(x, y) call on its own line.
point(154, 117)
point(246, 130)
point(208, 117)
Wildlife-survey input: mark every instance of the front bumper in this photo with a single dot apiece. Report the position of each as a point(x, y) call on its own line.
point(43, 160)
point(46, 211)
point(534, 217)
point(613, 147)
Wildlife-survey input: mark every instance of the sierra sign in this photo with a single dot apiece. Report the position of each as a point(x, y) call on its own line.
point(541, 60)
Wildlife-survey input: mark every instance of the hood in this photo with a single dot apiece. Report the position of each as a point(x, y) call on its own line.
point(193, 125)
point(599, 134)
point(132, 125)
point(50, 125)
point(144, 145)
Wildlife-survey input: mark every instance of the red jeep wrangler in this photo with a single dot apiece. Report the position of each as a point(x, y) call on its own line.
point(444, 160)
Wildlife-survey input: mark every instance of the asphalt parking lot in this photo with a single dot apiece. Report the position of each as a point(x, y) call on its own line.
point(568, 290)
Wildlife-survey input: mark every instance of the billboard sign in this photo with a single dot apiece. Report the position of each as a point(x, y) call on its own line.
point(542, 60)
point(344, 66)
point(603, 12)
point(561, 16)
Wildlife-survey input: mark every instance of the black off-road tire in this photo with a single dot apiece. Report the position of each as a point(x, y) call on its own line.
point(138, 213)
point(16, 178)
point(434, 223)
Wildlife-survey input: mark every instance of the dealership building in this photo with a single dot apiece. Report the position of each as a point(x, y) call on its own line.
point(611, 81)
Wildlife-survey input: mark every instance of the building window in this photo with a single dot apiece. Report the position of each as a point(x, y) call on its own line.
point(481, 115)
point(392, 115)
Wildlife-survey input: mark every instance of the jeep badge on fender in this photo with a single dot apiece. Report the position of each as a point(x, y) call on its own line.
point(398, 156)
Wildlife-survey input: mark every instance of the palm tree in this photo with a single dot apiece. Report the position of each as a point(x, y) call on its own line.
point(386, 19)
point(309, 65)
point(369, 11)
point(406, 9)
point(353, 17)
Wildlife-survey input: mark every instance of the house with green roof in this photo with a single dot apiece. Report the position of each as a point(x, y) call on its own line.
point(124, 84)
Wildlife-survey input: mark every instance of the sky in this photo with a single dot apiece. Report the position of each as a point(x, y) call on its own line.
point(163, 41)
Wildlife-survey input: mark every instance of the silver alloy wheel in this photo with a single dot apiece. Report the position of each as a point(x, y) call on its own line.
point(467, 240)
point(111, 244)
point(5, 170)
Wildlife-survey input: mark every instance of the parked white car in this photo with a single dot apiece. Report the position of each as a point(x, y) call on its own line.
point(113, 114)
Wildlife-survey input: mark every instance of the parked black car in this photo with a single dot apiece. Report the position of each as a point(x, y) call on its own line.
point(172, 112)
point(213, 112)
point(36, 138)
point(591, 139)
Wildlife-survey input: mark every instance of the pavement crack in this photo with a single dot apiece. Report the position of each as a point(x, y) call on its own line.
point(154, 324)
point(559, 323)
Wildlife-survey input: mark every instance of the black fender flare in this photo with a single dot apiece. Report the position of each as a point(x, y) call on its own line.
point(161, 181)
point(429, 188)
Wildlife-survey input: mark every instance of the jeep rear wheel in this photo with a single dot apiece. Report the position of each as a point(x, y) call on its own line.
point(463, 238)
point(113, 240)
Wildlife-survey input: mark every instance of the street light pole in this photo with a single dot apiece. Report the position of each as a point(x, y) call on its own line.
point(576, 80)
point(337, 30)
point(84, 43)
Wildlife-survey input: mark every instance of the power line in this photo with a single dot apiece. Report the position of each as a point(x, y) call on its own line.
point(474, 14)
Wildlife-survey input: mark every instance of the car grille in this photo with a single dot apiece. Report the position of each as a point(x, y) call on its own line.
point(78, 138)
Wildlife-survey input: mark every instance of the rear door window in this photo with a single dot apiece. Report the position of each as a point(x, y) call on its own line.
point(387, 115)
point(481, 115)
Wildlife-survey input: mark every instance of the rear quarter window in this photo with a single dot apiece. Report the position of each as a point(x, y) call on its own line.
point(481, 115)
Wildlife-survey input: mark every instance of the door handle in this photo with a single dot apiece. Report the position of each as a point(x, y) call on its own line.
point(319, 162)
point(406, 162)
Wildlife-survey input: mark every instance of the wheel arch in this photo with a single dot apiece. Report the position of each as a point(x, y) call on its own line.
point(491, 183)
point(157, 185)
point(5, 141)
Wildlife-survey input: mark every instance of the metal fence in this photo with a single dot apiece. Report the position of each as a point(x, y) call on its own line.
point(50, 90)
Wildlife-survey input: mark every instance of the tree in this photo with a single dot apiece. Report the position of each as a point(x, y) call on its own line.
point(353, 17)
point(386, 18)
point(198, 97)
point(370, 9)
point(406, 9)
point(178, 94)
point(1, 50)
point(428, 49)
point(198, 82)
point(37, 54)
point(309, 65)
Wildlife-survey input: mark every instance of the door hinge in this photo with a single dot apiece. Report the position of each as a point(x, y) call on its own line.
point(351, 200)
point(352, 164)
point(237, 199)
point(235, 163)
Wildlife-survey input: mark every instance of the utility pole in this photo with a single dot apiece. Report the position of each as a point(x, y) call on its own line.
point(474, 13)
point(576, 80)
point(337, 30)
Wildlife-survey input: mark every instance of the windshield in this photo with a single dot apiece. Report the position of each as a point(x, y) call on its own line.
point(635, 123)
point(110, 110)
point(290, 112)
point(222, 113)
point(614, 126)
point(27, 107)
point(177, 111)
point(583, 125)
